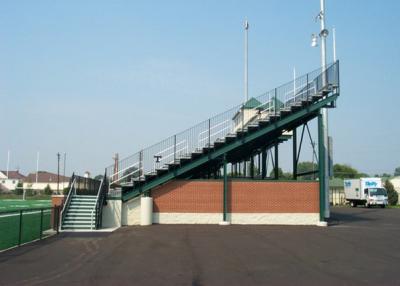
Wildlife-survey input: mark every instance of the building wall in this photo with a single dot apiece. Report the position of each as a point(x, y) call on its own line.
point(9, 184)
point(396, 184)
point(42, 186)
point(337, 196)
point(111, 215)
point(249, 202)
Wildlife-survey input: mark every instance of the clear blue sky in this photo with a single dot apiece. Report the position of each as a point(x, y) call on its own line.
point(91, 78)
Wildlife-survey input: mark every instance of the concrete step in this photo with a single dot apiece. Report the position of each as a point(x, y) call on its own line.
point(78, 222)
point(81, 204)
point(80, 210)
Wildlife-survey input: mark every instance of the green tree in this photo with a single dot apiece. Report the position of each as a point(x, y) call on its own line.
point(397, 171)
point(99, 177)
point(393, 196)
point(47, 190)
point(19, 189)
point(303, 167)
point(345, 171)
point(282, 175)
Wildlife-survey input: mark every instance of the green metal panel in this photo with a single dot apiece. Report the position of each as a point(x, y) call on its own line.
point(225, 198)
point(280, 124)
point(321, 167)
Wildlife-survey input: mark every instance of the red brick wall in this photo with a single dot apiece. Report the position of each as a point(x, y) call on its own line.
point(185, 196)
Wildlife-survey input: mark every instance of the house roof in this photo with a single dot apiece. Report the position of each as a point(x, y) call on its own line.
point(45, 177)
point(13, 175)
point(251, 103)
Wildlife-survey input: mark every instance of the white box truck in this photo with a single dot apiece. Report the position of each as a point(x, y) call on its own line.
point(365, 191)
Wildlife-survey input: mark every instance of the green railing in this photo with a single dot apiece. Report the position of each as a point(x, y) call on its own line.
point(232, 121)
point(26, 225)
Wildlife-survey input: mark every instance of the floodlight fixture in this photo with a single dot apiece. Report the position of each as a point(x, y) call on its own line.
point(314, 40)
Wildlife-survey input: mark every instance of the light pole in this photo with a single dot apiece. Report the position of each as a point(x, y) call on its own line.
point(246, 60)
point(58, 173)
point(334, 44)
point(323, 111)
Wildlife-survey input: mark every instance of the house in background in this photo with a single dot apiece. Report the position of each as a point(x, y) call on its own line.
point(43, 179)
point(396, 184)
point(9, 180)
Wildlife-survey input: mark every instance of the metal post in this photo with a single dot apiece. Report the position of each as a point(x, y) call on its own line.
point(246, 62)
point(294, 153)
point(264, 163)
point(65, 163)
point(20, 227)
point(276, 169)
point(41, 223)
point(8, 162)
point(174, 148)
point(324, 111)
point(58, 173)
point(321, 166)
point(140, 164)
point(334, 44)
point(252, 166)
point(209, 132)
point(225, 189)
point(275, 102)
point(244, 169)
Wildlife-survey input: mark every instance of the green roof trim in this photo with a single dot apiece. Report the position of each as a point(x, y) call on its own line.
point(252, 103)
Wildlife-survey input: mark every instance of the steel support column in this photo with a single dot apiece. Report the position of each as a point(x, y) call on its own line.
point(321, 167)
point(225, 196)
point(252, 166)
point(263, 163)
point(276, 167)
point(294, 153)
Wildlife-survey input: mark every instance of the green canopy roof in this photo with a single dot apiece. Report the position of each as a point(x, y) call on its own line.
point(251, 103)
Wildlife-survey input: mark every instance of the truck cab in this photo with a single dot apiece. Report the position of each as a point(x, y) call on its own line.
point(376, 197)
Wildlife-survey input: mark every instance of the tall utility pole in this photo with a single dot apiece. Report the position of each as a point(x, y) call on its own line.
point(65, 159)
point(8, 162)
point(246, 60)
point(58, 172)
point(323, 111)
point(37, 167)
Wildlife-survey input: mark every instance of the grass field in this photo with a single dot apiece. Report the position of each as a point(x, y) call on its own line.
point(31, 224)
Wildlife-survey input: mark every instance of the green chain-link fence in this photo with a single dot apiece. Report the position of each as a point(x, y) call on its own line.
point(22, 226)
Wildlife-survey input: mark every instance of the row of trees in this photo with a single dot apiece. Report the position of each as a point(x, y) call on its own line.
point(339, 171)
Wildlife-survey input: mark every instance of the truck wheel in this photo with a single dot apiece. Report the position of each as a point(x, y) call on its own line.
point(383, 206)
point(353, 204)
point(367, 205)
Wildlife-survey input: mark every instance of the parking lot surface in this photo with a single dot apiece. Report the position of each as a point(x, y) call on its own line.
point(360, 247)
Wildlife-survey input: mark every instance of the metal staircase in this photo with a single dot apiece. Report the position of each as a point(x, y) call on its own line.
point(80, 213)
point(258, 123)
point(82, 209)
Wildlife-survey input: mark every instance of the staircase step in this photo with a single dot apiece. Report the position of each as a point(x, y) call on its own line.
point(83, 196)
point(79, 210)
point(78, 221)
point(77, 228)
point(75, 203)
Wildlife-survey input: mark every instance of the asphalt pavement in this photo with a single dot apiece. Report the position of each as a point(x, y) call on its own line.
point(360, 247)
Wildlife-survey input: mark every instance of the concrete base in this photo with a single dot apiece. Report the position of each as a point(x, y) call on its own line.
point(322, 223)
point(224, 223)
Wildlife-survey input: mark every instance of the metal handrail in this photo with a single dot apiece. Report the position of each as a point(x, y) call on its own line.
point(101, 196)
point(95, 207)
point(71, 192)
point(272, 101)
